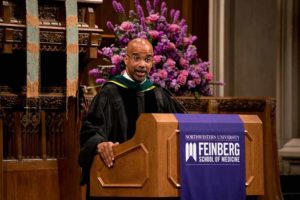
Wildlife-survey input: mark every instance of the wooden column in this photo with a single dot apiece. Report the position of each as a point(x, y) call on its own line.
point(69, 170)
point(271, 163)
point(72, 47)
point(33, 48)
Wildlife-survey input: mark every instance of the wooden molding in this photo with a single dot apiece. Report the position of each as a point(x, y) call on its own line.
point(136, 157)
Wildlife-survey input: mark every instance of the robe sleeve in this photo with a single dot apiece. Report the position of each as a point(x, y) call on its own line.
point(95, 129)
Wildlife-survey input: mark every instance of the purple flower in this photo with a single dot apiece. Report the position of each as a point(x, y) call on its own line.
point(163, 5)
point(176, 16)
point(115, 6)
point(208, 76)
point(124, 41)
point(136, 3)
point(100, 80)
point(164, 12)
point(110, 26)
point(152, 18)
point(186, 41)
point(184, 63)
point(172, 12)
point(121, 8)
point(116, 59)
point(184, 72)
point(191, 84)
point(163, 9)
point(126, 26)
point(182, 22)
point(157, 59)
point(106, 51)
point(163, 74)
point(155, 4)
point(173, 83)
point(140, 11)
point(118, 7)
point(171, 46)
point(197, 81)
point(191, 53)
point(174, 28)
point(94, 72)
point(194, 74)
point(162, 83)
point(149, 8)
point(181, 79)
point(143, 24)
point(170, 63)
point(142, 35)
point(154, 34)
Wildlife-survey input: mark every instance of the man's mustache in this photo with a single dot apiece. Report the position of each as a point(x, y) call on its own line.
point(141, 70)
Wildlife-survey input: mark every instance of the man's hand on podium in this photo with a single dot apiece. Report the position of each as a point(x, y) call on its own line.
point(105, 151)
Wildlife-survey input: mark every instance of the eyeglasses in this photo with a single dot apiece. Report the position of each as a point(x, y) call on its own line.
point(137, 58)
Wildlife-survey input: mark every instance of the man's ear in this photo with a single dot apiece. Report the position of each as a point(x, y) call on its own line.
point(126, 60)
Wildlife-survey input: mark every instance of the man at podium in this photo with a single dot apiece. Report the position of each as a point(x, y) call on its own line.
point(114, 110)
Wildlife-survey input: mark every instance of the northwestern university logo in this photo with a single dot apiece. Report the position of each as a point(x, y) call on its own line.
point(212, 149)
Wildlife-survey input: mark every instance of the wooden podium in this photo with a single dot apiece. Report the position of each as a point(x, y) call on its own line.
point(148, 164)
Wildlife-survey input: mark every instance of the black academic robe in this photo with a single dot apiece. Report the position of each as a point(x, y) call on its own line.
point(113, 114)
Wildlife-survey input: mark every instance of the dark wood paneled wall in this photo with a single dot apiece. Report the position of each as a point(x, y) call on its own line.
point(39, 138)
point(39, 156)
point(200, 26)
point(30, 179)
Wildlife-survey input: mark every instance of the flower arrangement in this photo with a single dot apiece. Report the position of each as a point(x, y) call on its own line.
point(176, 65)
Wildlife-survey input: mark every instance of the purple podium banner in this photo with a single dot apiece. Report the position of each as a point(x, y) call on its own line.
point(212, 157)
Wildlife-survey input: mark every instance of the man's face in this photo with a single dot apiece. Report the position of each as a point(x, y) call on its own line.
point(139, 59)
